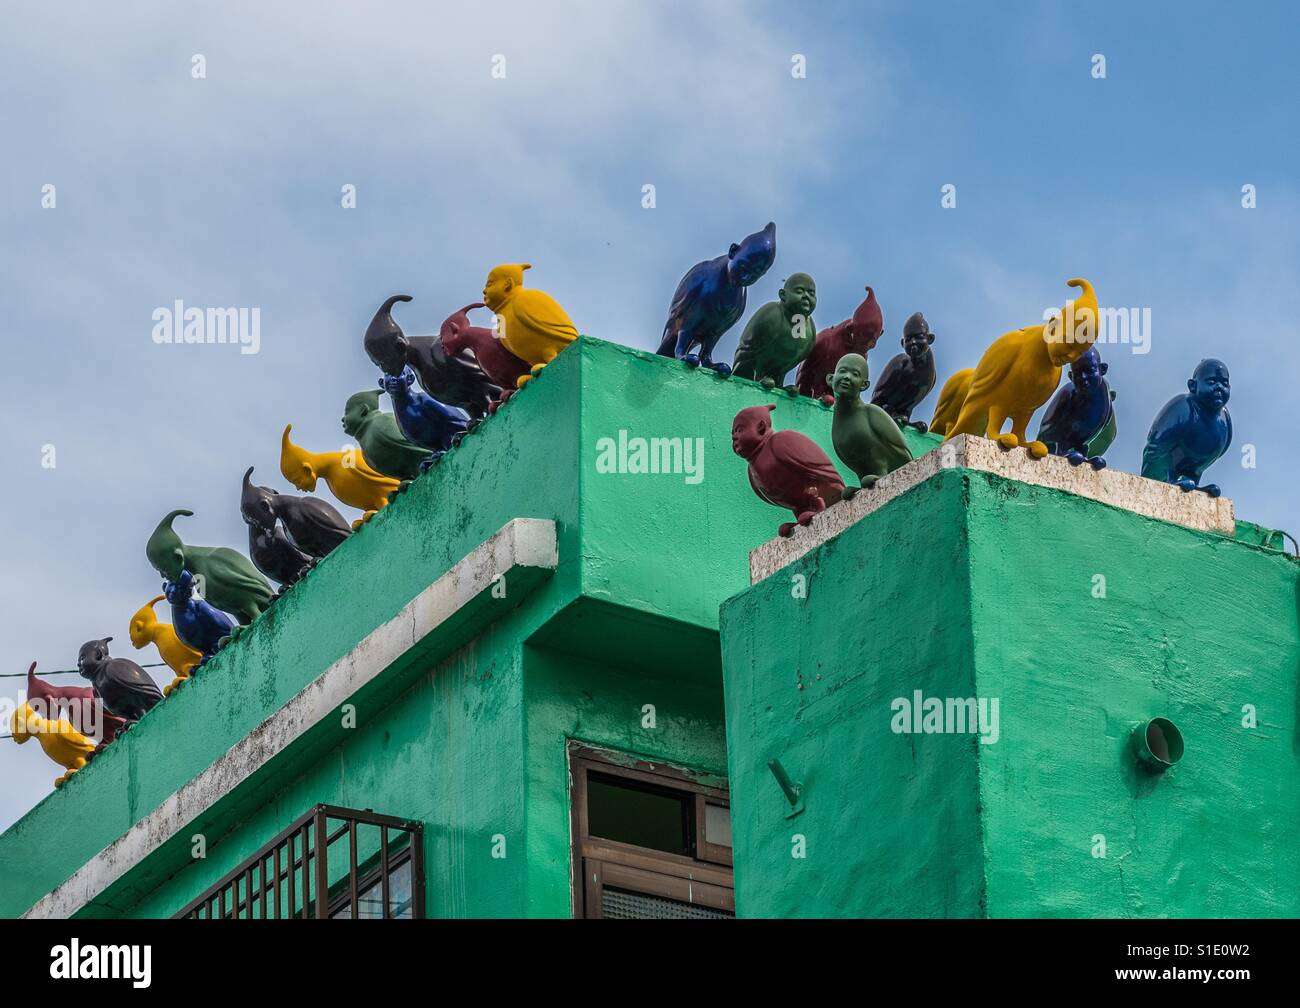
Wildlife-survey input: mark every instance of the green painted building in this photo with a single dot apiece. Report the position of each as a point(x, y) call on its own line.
point(549, 680)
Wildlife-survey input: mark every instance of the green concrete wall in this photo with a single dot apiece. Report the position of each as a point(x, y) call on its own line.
point(1193, 627)
point(652, 540)
point(890, 825)
point(973, 585)
point(600, 703)
point(433, 754)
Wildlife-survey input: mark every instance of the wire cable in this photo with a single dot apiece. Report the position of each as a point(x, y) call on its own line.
point(15, 675)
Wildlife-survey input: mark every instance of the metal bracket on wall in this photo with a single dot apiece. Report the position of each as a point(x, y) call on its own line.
point(793, 790)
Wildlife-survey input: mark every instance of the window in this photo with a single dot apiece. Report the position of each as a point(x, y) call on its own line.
point(648, 840)
point(372, 867)
point(371, 896)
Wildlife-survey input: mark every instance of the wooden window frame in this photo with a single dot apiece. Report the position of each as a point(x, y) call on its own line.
point(705, 880)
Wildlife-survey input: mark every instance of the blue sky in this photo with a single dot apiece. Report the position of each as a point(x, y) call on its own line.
point(226, 191)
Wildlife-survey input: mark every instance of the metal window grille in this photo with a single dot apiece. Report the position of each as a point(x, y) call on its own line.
point(330, 863)
point(619, 903)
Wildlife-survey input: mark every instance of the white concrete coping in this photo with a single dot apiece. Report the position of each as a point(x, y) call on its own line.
point(522, 542)
point(1147, 497)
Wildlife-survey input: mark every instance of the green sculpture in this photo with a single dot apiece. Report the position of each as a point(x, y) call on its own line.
point(779, 335)
point(381, 440)
point(230, 582)
point(864, 436)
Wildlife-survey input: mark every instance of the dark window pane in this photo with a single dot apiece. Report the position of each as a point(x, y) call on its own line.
point(649, 818)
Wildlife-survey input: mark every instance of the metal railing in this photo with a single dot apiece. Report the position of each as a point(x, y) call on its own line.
point(291, 876)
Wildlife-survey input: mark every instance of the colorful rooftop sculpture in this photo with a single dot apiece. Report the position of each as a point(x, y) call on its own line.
point(146, 629)
point(858, 335)
point(710, 299)
point(1192, 431)
point(1019, 372)
point(786, 468)
point(533, 325)
point(349, 476)
point(452, 377)
point(865, 437)
point(779, 335)
point(909, 376)
point(60, 740)
point(230, 581)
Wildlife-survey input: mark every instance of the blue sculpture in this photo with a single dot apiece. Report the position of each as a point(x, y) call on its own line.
point(423, 419)
point(196, 622)
point(1080, 420)
point(1192, 431)
point(711, 298)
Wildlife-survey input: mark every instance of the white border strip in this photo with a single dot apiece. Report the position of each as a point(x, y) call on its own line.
point(1142, 496)
point(523, 542)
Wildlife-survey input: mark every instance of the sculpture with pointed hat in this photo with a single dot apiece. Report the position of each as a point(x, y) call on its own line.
point(858, 335)
point(349, 476)
point(1021, 369)
point(450, 376)
point(498, 363)
point(146, 629)
point(62, 742)
point(78, 702)
point(230, 581)
point(313, 526)
point(532, 324)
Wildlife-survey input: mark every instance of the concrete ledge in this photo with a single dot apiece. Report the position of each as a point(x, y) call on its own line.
point(1150, 498)
point(522, 545)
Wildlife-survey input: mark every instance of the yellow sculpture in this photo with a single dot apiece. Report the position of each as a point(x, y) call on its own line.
point(60, 740)
point(1020, 370)
point(533, 325)
point(146, 629)
point(951, 396)
point(348, 474)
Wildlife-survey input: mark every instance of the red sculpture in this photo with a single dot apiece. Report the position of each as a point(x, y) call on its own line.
point(855, 335)
point(786, 468)
point(499, 364)
point(59, 700)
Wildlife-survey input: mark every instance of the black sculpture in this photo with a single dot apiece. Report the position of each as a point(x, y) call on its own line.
point(313, 526)
point(275, 556)
point(455, 379)
point(126, 689)
point(909, 376)
point(1079, 422)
